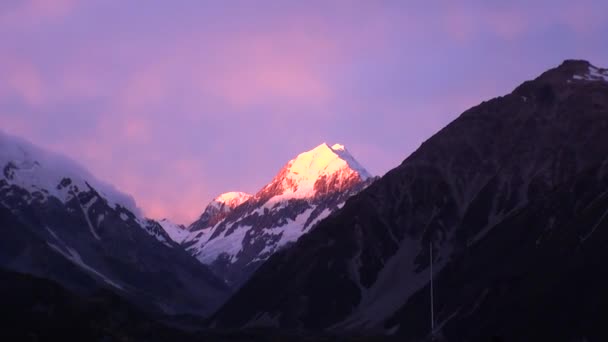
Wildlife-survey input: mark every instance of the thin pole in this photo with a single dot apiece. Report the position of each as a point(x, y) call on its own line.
point(432, 306)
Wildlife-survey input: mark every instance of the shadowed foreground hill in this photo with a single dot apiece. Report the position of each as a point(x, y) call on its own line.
point(36, 309)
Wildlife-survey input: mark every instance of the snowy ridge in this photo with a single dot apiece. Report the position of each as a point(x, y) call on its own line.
point(343, 153)
point(36, 170)
point(232, 199)
point(228, 201)
point(177, 232)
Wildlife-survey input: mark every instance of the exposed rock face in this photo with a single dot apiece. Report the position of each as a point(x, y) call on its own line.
point(511, 197)
point(57, 223)
point(234, 241)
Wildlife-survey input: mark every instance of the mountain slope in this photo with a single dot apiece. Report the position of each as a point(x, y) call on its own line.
point(56, 224)
point(538, 275)
point(364, 265)
point(234, 241)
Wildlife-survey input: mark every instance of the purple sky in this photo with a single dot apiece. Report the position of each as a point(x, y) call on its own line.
point(178, 101)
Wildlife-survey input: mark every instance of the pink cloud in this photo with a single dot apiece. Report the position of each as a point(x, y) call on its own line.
point(254, 69)
point(178, 194)
point(581, 17)
point(463, 23)
point(79, 80)
point(12, 123)
point(258, 68)
point(144, 88)
point(261, 81)
point(507, 24)
point(21, 78)
point(49, 8)
point(136, 129)
point(34, 12)
point(459, 24)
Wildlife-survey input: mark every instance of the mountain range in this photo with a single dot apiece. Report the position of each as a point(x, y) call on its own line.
point(495, 228)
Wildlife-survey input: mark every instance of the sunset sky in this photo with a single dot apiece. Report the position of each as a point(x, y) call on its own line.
point(175, 102)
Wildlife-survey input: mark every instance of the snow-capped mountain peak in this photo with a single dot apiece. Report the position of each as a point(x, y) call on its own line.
point(50, 174)
point(313, 171)
point(324, 159)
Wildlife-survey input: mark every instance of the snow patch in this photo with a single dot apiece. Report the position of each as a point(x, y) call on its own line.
point(85, 212)
point(593, 74)
point(224, 244)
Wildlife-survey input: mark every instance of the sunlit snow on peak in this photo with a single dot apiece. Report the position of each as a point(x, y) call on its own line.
point(232, 197)
point(300, 174)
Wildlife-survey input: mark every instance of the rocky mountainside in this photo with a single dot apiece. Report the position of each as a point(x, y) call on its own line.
point(238, 232)
point(60, 223)
point(511, 197)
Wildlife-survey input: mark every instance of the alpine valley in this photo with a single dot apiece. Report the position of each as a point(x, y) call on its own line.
point(494, 229)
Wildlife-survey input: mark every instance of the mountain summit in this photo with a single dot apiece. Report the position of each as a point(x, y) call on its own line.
point(237, 232)
point(320, 170)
